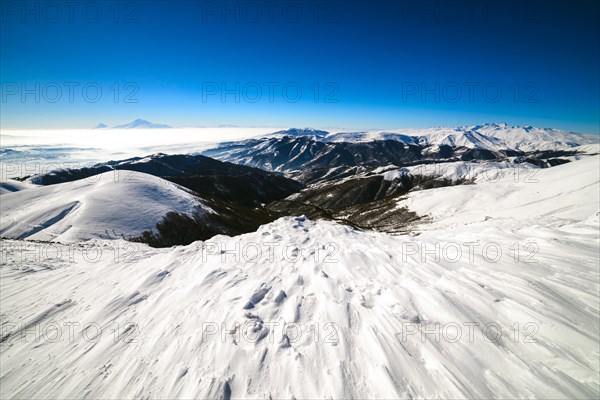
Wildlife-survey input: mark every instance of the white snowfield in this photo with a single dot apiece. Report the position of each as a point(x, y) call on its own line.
point(114, 204)
point(499, 307)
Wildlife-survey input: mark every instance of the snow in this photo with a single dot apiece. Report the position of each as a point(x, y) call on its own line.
point(369, 136)
point(463, 170)
point(531, 138)
point(37, 151)
point(11, 185)
point(569, 191)
point(588, 148)
point(109, 205)
point(316, 133)
point(487, 136)
point(373, 298)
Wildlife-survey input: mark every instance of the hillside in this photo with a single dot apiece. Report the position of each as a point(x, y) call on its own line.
point(105, 206)
point(303, 309)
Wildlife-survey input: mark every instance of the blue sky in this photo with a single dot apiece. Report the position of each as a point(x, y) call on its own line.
point(351, 64)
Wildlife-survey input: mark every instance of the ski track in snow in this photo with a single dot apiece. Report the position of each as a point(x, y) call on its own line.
point(370, 292)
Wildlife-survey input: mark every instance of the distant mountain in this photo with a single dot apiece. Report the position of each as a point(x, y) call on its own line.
point(141, 124)
point(494, 137)
point(310, 156)
point(301, 132)
point(101, 126)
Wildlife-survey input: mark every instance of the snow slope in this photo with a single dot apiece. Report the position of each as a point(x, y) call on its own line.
point(378, 313)
point(569, 191)
point(460, 170)
point(109, 205)
point(11, 185)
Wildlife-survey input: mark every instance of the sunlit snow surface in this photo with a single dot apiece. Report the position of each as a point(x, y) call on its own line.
point(115, 204)
point(369, 315)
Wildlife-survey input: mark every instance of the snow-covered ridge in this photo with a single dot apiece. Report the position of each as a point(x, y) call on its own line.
point(460, 170)
point(300, 132)
point(110, 205)
point(487, 136)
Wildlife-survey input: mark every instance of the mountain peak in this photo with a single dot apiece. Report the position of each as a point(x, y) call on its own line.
point(141, 124)
point(302, 132)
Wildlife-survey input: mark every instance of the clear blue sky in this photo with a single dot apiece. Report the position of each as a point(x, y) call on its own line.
point(359, 64)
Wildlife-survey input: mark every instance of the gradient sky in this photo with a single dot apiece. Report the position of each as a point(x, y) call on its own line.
point(369, 60)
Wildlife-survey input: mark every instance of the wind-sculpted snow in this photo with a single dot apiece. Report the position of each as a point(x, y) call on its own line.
point(114, 204)
point(498, 307)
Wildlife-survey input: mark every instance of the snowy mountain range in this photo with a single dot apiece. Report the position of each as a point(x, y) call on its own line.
point(309, 155)
point(487, 136)
point(353, 178)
